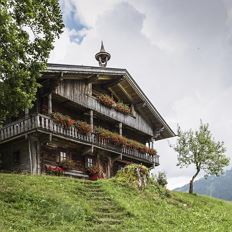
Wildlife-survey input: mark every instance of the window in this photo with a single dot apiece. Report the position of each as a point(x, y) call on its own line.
point(89, 162)
point(63, 156)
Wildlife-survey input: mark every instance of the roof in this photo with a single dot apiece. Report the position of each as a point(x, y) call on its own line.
point(120, 79)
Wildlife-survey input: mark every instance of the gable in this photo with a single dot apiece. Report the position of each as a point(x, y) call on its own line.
point(116, 82)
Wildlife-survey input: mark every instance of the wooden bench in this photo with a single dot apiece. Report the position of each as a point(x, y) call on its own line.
point(76, 174)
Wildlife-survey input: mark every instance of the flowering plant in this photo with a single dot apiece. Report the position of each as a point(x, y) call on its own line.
point(64, 120)
point(111, 103)
point(93, 170)
point(54, 170)
point(120, 140)
point(67, 121)
point(115, 138)
point(83, 127)
point(106, 100)
point(67, 164)
point(123, 108)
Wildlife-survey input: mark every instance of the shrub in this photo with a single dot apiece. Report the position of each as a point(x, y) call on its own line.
point(136, 175)
point(161, 179)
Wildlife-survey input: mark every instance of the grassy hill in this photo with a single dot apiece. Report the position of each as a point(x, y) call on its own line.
point(219, 187)
point(46, 203)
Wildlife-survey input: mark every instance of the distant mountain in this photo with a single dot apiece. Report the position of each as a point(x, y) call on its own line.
point(219, 187)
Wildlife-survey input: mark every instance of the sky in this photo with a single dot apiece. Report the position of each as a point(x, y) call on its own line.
point(178, 51)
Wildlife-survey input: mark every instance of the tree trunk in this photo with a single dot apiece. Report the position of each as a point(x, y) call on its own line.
point(192, 180)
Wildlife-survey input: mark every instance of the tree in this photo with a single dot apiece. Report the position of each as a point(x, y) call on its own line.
point(28, 29)
point(198, 148)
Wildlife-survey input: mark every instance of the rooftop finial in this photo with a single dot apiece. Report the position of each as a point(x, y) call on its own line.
point(102, 57)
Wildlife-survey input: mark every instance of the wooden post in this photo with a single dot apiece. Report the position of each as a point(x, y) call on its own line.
point(91, 120)
point(30, 155)
point(109, 167)
point(132, 110)
point(120, 128)
point(50, 103)
point(26, 113)
point(38, 158)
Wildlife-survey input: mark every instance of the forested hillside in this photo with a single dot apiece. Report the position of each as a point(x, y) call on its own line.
point(219, 187)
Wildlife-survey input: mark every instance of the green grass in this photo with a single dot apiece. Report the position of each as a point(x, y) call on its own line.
point(46, 203)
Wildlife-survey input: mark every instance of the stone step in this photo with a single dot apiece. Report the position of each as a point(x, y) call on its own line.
point(109, 209)
point(101, 198)
point(112, 214)
point(109, 221)
point(88, 190)
point(103, 228)
point(92, 187)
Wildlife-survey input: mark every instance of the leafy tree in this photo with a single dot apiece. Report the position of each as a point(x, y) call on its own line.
point(200, 149)
point(28, 29)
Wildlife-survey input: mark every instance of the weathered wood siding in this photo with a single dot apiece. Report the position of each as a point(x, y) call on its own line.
point(79, 92)
point(72, 88)
point(8, 160)
point(50, 156)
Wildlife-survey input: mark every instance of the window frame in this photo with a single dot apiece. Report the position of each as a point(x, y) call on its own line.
point(89, 161)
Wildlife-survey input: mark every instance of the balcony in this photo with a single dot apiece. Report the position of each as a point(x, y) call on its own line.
point(90, 102)
point(45, 124)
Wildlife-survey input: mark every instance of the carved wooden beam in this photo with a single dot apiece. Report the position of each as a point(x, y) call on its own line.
point(114, 94)
point(158, 132)
point(140, 104)
point(87, 151)
point(125, 92)
point(92, 78)
point(113, 82)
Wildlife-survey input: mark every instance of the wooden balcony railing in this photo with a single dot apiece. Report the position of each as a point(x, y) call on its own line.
point(137, 122)
point(45, 123)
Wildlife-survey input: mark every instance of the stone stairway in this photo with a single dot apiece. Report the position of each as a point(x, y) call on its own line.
point(108, 215)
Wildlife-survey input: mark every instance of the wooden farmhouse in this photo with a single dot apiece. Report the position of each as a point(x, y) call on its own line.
point(86, 120)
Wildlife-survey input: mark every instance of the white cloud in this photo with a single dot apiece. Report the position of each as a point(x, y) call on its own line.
point(179, 52)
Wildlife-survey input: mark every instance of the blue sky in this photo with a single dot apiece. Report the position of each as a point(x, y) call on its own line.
point(72, 21)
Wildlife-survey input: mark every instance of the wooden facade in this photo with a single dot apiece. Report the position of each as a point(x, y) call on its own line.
point(36, 141)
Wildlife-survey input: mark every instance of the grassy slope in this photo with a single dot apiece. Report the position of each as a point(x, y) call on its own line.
point(43, 203)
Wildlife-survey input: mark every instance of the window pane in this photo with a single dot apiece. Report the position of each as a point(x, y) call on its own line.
point(89, 162)
point(62, 156)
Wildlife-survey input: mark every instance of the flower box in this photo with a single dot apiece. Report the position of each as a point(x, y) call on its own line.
point(54, 170)
point(111, 103)
point(67, 121)
point(120, 140)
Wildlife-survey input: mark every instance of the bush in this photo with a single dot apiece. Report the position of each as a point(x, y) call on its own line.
point(136, 175)
point(161, 179)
